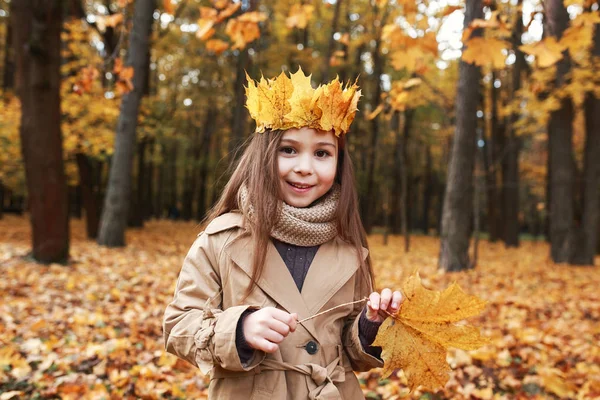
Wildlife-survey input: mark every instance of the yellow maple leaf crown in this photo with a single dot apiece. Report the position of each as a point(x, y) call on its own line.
point(284, 103)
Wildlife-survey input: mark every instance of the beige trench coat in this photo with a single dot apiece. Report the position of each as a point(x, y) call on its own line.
point(314, 362)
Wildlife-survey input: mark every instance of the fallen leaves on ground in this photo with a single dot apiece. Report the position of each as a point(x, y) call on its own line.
point(93, 329)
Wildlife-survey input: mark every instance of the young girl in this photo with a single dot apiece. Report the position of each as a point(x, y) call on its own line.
point(285, 243)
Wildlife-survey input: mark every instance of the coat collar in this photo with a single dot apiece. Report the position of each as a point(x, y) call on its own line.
point(334, 264)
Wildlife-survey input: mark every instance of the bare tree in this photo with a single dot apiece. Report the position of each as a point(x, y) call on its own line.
point(458, 200)
point(36, 29)
point(116, 204)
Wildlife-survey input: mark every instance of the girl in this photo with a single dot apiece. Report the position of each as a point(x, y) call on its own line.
point(285, 243)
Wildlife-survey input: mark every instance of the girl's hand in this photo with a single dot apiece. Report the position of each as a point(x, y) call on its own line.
point(386, 301)
point(266, 328)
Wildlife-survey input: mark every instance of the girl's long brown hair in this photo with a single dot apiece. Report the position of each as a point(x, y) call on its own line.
point(257, 168)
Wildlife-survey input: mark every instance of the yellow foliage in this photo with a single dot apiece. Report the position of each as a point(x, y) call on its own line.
point(299, 16)
point(244, 29)
point(547, 51)
point(485, 51)
point(416, 339)
point(11, 170)
point(217, 46)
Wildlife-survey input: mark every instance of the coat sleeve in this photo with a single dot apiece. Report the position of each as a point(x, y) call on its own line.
point(195, 326)
point(359, 358)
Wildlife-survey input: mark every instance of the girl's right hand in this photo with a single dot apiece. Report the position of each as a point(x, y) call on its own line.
point(264, 329)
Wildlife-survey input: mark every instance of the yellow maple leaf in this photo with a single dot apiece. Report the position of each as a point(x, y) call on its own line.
point(416, 339)
point(410, 59)
point(243, 29)
point(577, 38)
point(484, 51)
point(547, 51)
point(338, 105)
point(299, 16)
point(268, 101)
point(301, 100)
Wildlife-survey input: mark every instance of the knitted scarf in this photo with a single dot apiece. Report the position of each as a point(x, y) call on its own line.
point(308, 226)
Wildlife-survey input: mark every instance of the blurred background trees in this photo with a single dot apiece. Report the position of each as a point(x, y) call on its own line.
point(477, 118)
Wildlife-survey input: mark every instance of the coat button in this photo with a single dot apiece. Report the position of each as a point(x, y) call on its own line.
point(311, 347)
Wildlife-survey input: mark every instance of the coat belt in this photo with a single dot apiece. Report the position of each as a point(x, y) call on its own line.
point(323, 379)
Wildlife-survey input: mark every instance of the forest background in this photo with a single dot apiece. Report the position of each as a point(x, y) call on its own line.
point(476, 141)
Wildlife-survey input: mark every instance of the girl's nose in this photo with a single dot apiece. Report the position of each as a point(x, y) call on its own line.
point(304, 165)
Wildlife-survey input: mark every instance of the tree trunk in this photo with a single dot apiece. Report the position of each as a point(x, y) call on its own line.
point(405, 176)
point(36, 42)
point(74, 193)
point(490, 166)
point(8, 79)
point(114, 215)
point(427, 189)
point(148, 204)
point(510, 161)
point(458, 200)
point(334, 28)
point(396, 192)
point(591, 195)
point(369, 201)
point(160, 187)
point(239, 120)
point(188, 180)
point(203, 158)
point(136, 217)
point(560, 132)
point(90, 204)
point(1, 199)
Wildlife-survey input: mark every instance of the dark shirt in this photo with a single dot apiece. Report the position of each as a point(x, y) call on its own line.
point(298, 259)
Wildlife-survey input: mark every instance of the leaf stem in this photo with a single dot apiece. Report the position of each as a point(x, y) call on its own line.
point(333, 308)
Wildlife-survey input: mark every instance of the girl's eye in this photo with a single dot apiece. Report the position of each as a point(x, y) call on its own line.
point(287, 150)
point(322, 153)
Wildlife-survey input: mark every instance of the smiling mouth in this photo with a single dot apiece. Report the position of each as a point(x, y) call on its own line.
point(300, 186)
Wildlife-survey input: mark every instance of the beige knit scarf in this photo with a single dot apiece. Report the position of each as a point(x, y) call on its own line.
point(308, 226)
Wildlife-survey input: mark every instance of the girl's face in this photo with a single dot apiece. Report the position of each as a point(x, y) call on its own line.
point(307, 161)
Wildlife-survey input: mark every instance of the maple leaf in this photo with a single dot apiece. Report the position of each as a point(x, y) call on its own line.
point(416, 339)
point(269, 100)
point(483, 51)
point(217, 46)
point(301, 99)
point(577, 38)
point(102, 21)
point(299, 16)
point(244, 29)
point(205, 29)
point(547, 51)
point(338, 105)
point(229, 11)
point(124, 84)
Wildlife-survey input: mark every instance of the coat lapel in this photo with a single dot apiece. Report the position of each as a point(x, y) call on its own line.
point(276, 281)
point(333, 265)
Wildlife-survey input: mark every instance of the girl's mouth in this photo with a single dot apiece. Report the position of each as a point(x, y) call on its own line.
point(299, 188)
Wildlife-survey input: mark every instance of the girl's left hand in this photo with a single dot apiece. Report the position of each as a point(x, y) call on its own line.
point(386, 301)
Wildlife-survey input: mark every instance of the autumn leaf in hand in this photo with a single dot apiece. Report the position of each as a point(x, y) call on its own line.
point(416, 339)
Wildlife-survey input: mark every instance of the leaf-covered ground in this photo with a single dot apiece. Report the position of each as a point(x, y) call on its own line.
point(93, 329)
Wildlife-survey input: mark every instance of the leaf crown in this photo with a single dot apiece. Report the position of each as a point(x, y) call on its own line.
point(284, 103)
